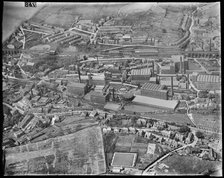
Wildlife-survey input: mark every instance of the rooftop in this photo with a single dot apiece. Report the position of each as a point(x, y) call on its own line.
point(152, 86)
point(112, 106)
point(168, 104)
point(145, 71)
point(76, 85)
point(208, 78)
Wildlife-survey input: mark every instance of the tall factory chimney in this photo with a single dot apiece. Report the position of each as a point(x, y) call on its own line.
point(188, 81)
point(181, 64)
point(152, 68)
point(172, 86)
point(210, 45)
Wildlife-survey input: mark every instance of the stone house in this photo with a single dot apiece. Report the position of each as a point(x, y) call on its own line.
point(189, 138)
point(132, 130)
point(148, 135)
point(179, 136)
point(166, 133)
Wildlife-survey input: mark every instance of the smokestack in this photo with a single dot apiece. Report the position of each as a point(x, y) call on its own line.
point(152, 68)
point(172, 86)
point(180, 64)
point(210, 45)
point(188, 81)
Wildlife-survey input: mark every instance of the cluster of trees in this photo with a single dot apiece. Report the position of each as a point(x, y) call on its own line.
point(184, 129)
point(200, 135)
point(203, 94)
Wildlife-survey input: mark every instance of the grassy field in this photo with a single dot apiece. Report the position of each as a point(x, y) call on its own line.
point(209, 122)
point(175, 117)
point(14, 13)
point(65, 14)
point(189, 165)
point(131, 143)
point(79, 153)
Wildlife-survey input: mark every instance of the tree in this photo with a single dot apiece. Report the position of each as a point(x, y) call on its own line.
point(178, 77)
point(164, 30)
point(200, 135)
point(203, 94)
point(184, 129)
point(177, 139)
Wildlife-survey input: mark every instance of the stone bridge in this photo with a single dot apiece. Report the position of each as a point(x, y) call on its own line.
point(202, 54)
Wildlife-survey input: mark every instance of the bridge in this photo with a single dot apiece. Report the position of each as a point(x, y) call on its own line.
point(18, 51)
point(202, 54)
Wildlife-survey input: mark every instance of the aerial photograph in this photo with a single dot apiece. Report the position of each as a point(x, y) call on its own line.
point(105, 88)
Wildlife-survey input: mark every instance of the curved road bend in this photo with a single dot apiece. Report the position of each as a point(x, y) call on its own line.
point(166, 155)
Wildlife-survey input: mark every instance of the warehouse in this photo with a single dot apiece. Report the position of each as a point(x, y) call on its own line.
point(98, 97)
point(211, 82)
point(154, 90)
point(114, 29)
point(155, 102)
point(141, 74)
point(76, 89)
point(166, 69)
point(96, 79)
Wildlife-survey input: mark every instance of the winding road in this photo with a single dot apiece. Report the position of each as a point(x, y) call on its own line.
point(145, 172)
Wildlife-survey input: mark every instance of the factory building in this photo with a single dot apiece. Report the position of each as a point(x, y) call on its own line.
point(155, 102)
point(204, 82)
point(181, 64)
point(154, 90)
point(166, 69)
point(99, 97)
point(76, 89)
point(141, 74)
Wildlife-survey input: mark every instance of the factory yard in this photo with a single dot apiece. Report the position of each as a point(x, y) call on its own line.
point(112, 89)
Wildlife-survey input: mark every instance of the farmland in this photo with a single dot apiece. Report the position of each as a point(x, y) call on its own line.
point(64, 15)
point(211, 122)
point(189, 165)
point(133, 144)
point(80, 153)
